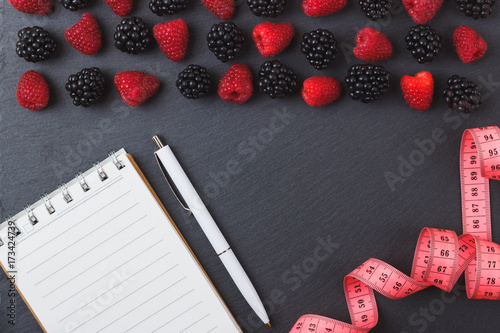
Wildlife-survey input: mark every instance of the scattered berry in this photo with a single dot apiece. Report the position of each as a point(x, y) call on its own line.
point(173, 38)
point(418, 90)
point(170, 7)
point(372, 45)
point(35, 44)
point(135, 87)
point(375, 9)
point(462, 95)
point(132, 35)
point(194, 82)
point(236, 85)
point(276, 79)
point(86, 86)
point(367, 82)
point(85, 36)
point(272, 38)
point(267, 8)
point(120, 7)
point(320, 47)
point(422, 11)
point(38, 7)
point(316, 8)
point(321, 90)
point(225, 40)
point(32, 91)
point(74, 5)
point(424, 43)
point(476, 8)
point(469, 44)
point(222, 9)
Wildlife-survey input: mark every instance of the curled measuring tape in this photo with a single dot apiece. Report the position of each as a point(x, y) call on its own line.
point(441, 256)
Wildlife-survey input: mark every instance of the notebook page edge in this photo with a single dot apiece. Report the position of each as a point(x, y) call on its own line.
point(198, 264)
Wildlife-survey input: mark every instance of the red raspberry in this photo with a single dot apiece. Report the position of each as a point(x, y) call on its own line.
point(321, 90)
point(85, 35)
point(372, 45)
point(120, 7)
point(222, 9)
point(322, 7)
point(272, 38)
point(173, 38)
point(136, 87)
point(422, 11)
point(418, 90)
point(32, 91)
point(38, 7)
point(236, 85)
point(469, 44)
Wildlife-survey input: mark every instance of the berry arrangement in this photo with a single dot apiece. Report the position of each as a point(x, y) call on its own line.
point(365, 82)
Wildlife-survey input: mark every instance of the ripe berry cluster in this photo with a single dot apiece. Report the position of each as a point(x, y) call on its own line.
point(365, 82)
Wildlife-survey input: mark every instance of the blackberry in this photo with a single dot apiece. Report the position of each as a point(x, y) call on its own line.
point(375, 9)
point(35, 44)
point(194, 82)
point(320, 47)
point(267, 8)
point(225, 40)
point(132, 35)
point(276, 79)
point(424, 43)
point(462, 95)
point(74, 5)
point(476, 8)
point(367, 82)
point(86, 86)
point(170, 7)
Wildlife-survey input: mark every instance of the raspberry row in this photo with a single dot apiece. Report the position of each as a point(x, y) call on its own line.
point(226, 40)
point(365, 82)
point(421, 11)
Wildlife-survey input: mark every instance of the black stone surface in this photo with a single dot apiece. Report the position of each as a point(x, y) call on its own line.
point(300, 176)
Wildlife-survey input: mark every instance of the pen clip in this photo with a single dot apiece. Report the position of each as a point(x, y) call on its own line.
point(178, 197)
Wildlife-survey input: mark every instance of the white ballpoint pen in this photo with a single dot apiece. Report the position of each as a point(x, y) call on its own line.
point(167, 160)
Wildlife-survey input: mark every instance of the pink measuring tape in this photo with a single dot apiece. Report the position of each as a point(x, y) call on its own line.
point(441, 256)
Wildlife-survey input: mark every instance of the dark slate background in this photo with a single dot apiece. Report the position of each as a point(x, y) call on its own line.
point(319, 178)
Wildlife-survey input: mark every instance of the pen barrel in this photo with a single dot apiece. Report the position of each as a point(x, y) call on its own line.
point(244, 284)
point(192, 199)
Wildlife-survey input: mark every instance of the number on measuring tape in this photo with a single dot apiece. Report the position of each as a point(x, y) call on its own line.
point(441, 256)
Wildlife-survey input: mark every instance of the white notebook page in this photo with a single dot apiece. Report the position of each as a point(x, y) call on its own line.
point(111, 261)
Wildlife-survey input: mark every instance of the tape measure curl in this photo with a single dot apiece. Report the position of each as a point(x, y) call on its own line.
point(441, 256)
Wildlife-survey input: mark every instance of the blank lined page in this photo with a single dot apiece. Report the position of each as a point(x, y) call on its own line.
point(111, 261)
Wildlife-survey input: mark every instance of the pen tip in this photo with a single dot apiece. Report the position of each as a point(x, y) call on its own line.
point(268, 324)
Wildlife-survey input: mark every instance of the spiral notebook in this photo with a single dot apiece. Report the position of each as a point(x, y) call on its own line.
point(101, 254)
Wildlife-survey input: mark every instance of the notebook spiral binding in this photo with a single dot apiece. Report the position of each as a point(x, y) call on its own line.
point(45, 199)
